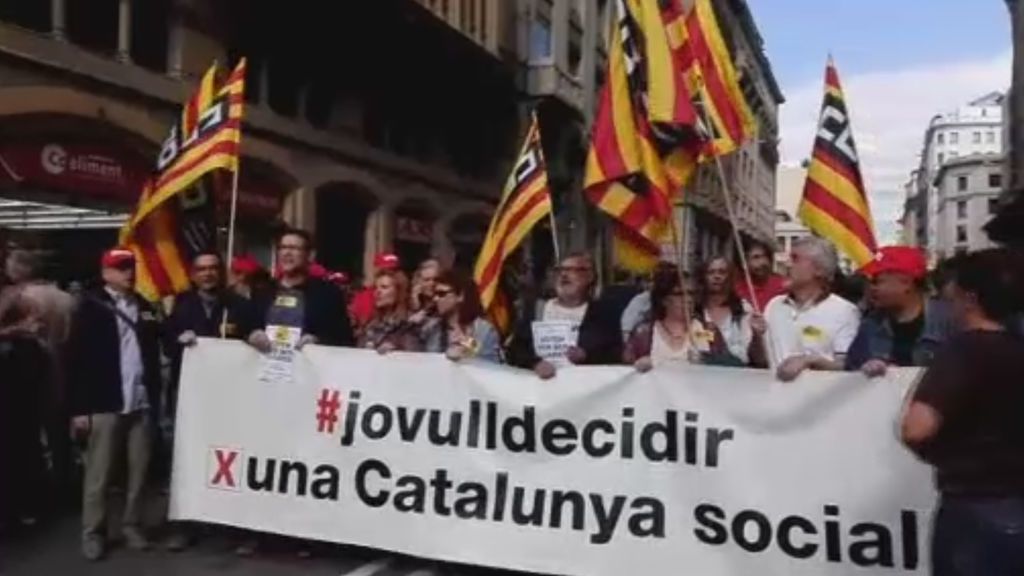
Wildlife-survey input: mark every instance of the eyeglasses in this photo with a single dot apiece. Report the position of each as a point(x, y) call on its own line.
point(295, 247)
point(442, 292)
point(574, 269)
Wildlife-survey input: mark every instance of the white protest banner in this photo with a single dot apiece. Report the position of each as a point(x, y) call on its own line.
point(553, 338)
point(599, 472)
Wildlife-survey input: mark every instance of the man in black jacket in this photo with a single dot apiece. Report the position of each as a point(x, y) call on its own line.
point(299, 301)
point(598, 339)
point(114, 390)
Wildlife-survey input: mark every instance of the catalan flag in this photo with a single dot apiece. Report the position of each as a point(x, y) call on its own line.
point(644, 144)
point(708, 68)
point(835, 204)
point(205, 138)
point(524, 202)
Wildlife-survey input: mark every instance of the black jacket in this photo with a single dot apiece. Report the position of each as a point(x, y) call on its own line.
point(600, 337)
point(325, 316)
point(189, 314)
point(94, 355)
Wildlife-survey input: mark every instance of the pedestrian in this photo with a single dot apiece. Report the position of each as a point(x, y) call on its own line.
point(460, 331)
point(390, 329)
point(593, 335)
point(638, 310)
point(424, 281)
point(362, 306)
point(904, 327)
point(810, 327)
point(114, 389)
point(298, 300)
point(209, 310)
point(719, 305)
point(243, 275)
point(964, 419)
point(672, 335)
point(767, 284)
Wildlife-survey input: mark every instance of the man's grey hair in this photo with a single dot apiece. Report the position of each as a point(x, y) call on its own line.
point(823, 254)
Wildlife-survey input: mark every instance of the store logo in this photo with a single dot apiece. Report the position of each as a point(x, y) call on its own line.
point(54, 159)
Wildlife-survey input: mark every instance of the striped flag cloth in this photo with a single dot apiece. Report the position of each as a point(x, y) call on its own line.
point(644, 142)
point(835, 204)
point(166, 226)
point(525, 200)
point(709, 72)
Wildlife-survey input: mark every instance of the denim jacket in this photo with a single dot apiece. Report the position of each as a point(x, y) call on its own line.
point(874, 339)
point(435, 336)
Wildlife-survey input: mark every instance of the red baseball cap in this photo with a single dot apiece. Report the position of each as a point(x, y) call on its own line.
point(386, 261)
point(117, 257)
point(899, 259)
point(317, 271)
point(245, 264)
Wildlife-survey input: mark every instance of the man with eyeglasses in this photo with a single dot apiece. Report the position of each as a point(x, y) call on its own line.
point(207, 310)
point(579, 331)
point(298, 300)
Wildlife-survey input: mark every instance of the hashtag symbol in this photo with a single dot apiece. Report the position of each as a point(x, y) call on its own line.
point(327, 407)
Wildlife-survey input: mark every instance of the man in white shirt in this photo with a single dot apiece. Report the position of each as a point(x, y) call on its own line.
point(809, 327)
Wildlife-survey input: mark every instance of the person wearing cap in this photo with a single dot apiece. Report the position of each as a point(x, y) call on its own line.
point(298, 299)
point(905, 327)
point(363, 304)
point(114, 391)
point(243, 269)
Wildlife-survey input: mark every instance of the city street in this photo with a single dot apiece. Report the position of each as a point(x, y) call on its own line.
point(54, 550)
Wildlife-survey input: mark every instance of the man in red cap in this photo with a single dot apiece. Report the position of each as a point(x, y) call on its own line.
point(362, 305)
point(906, 327)
point(114, 391)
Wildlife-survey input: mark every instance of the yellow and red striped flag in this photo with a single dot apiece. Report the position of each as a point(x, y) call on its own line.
point(835, 204)
point(525, 201)
point(206, 138)
point(710, 74)
point(644, 144)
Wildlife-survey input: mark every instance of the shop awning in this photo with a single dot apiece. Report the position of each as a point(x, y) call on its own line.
point(21, 215)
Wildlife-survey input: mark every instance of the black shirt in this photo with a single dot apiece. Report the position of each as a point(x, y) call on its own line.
point(976, 386)
point(904, 338)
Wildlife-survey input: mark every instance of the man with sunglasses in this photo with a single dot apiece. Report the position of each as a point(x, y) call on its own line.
point(596, 337)
point(114, 390)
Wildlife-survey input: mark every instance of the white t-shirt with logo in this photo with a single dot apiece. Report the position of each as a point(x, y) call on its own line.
point(824, 329)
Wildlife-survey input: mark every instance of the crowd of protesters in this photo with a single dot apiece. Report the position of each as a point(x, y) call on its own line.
point(92, 364)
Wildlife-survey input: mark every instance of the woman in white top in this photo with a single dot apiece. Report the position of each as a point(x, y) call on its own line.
point(741, 329)
point(666, 339)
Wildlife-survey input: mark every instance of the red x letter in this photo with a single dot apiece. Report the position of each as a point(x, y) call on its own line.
point(225, 460)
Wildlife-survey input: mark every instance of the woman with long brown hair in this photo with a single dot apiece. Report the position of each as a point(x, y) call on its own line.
point(389, 329)
point(460, 330)
point(720, 305)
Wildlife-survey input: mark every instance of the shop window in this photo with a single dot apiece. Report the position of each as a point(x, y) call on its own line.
point(342, 211)
point(414, 234)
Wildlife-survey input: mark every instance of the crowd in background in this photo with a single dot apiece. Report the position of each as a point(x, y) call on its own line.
point(104, 364)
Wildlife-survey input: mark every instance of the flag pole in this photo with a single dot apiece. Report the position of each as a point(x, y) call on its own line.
point(677, 245)
point(554, 234)
point(231, 228)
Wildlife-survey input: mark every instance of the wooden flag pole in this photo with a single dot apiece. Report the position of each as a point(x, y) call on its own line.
point(554, 234)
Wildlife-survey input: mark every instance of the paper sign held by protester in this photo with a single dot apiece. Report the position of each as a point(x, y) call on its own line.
point(553, 338)
point(278, 366)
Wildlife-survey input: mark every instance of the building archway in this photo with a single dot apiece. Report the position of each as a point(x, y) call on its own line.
point(343, 231)
point(466, 234)
point(413, 239)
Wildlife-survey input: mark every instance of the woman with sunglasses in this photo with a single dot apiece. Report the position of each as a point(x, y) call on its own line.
point(460, 330)
point(672, 335)
point(721, 306)
point(389, 329)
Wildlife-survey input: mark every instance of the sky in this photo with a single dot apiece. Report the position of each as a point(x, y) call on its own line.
point(900, 63)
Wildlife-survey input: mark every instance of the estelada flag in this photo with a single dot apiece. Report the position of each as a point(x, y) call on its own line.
point(835, 204)
point(644, 142)
point(164, 231)
point(709, 72)
point(525, 201)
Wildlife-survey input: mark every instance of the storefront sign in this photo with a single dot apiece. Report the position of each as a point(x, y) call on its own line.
point(413, 230)
point(94, 171)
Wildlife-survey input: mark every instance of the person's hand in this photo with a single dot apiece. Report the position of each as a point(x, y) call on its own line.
point(792, 367)
point(260, 341)
point(874, 368)
point(456, 352)
point(576, 355)
point(545, 370)
point(643, 364)
point(385, 347)
point(187, 338)
point(758, 325)
point(80, 426)
point(419, 317)
point(305, 339)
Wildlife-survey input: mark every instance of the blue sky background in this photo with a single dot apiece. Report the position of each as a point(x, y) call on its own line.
point(900, 61)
